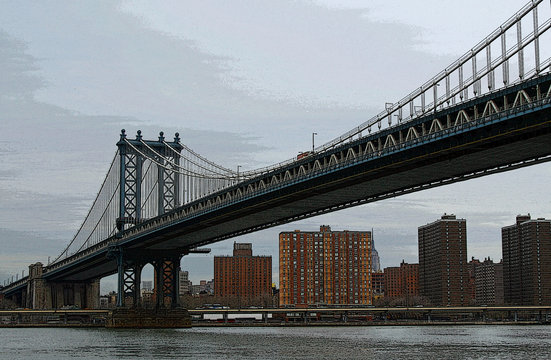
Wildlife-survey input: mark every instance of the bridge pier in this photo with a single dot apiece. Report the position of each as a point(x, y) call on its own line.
point(43, 294)
point(166, 277)
point(166, 281)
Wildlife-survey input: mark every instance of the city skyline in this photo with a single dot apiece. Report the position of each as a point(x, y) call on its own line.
point(63, 104)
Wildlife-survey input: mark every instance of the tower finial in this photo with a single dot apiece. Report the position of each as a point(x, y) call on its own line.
point(161, 136)
point(123, 134)
point(177, 137)
point(139, 135)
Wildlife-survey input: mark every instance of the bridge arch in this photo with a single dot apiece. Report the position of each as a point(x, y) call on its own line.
point(490, 108)
point(522, 98)
point(435, 126)
point(350, 154)
point(261, 184)
point(412, 134)
point(317, 165)
point(369, 148)
point(287, 176)
point(333, 160)
point(462, 118)
point(390, 141)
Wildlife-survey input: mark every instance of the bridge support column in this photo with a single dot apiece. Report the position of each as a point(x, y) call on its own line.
point(84, 295)
point(92, 294)
point(37, 294)
point(129, 278)
point(166, 277)
point(167, 282)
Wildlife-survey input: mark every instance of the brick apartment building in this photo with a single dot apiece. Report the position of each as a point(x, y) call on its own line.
point(443, 274)
point(402, 281)
point(377, 285)
point(526, 247)
point(325, 267)
point(488, 283)
point(243, 276)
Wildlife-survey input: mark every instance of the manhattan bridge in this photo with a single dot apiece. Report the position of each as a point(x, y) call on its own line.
point(487, 112)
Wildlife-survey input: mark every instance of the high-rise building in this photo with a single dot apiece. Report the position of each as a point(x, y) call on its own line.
point(393, 285)
point(209, 287)
point(325, 267)
point(243, 276)
point(377, 285)
point(488, 283)
point(147, 285)
point(471, 267)
point(500, 299)
point(184, 286)
point(526, 247)
point(375, 260)
point(402, 281)
point(443, 275)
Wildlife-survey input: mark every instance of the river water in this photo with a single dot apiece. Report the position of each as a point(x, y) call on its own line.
point(371, 342)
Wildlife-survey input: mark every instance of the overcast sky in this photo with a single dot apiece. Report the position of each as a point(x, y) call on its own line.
point(244, 83)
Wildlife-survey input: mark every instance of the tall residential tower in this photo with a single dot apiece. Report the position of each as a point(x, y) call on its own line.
point(325, 267)
point(443, 274)
point(526, 247)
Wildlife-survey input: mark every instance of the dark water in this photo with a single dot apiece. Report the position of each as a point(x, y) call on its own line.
point(424, 342)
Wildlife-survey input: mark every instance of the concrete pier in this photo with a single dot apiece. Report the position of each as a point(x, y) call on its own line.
point(148, 318)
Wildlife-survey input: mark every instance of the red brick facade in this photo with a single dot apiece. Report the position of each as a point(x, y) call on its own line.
point(243, 276)
point(526, 250)
point(325, 267)
point(403, 281)
point(443, 273)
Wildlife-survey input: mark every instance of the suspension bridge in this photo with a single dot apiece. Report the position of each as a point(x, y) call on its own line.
point(487, 112)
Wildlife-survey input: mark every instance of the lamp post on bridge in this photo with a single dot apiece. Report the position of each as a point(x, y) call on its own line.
point(313, 134)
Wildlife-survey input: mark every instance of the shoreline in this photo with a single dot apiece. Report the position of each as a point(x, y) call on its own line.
point(300, 324)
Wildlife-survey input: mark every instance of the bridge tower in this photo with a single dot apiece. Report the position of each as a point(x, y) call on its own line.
point(133, 153)
point(140, 201)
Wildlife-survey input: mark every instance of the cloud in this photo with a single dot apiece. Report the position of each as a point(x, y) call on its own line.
point(54, 160)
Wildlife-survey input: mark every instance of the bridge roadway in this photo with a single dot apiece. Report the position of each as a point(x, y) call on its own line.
point(503, 130)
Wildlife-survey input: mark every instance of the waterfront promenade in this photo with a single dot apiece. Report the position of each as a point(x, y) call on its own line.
point(364, 316)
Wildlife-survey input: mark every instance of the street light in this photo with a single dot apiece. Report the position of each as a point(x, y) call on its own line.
point(313, 134)
point(238, 166)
